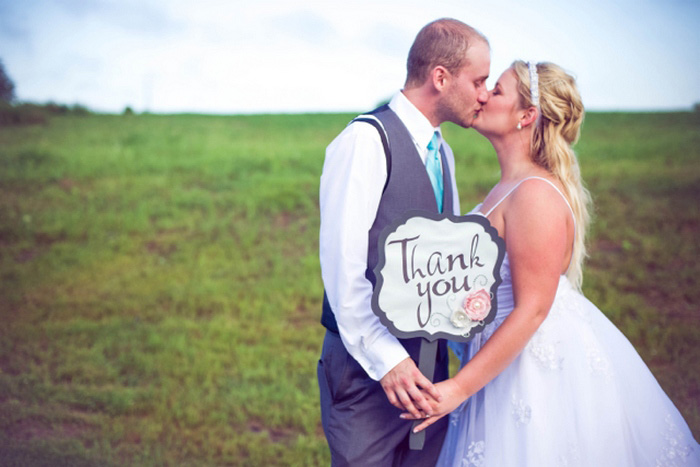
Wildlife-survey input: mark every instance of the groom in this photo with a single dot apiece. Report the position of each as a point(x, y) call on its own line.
point(390, 161)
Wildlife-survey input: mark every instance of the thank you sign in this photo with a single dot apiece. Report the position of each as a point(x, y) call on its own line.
point(437, 275)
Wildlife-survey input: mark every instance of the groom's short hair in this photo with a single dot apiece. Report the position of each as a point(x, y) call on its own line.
point(442, 42)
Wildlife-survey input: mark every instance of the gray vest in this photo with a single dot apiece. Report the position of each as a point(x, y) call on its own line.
point(407, 188)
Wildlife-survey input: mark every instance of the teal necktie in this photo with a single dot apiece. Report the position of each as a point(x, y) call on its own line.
point(432, 165)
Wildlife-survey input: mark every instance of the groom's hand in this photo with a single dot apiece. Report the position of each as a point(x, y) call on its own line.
point(403, 385)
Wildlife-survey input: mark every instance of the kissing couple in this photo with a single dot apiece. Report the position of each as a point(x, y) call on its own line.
point(550, 381)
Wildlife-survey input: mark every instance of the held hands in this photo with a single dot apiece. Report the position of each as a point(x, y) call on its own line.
point(453, 396)
point(403, 385)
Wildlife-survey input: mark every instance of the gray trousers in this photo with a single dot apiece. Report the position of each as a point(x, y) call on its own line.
point(361, 426)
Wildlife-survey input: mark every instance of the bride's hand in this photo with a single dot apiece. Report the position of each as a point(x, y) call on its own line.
point(452, 397)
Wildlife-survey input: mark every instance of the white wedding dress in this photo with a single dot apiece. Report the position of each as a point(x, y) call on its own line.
point(577, 395)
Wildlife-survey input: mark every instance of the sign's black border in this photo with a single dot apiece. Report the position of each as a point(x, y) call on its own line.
point(391, 228)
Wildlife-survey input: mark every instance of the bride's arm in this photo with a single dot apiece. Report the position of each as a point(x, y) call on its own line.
point(537, 243)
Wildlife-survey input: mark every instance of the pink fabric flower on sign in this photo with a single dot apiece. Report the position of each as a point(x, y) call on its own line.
point(477, 305)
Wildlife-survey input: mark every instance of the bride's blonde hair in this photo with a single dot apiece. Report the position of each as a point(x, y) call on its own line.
point(558, 127)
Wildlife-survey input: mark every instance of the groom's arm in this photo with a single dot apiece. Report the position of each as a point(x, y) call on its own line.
point(352, 182)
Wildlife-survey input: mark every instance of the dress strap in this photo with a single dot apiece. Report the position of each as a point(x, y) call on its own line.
point(553, 186)
point(529, 178)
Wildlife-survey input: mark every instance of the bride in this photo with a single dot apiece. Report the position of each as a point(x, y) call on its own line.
point(551, 381)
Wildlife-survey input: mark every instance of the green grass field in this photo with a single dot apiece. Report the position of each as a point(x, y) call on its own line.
point(160, 288)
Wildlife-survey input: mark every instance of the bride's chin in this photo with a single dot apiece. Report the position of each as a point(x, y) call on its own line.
point(476, 121)
point(480, 128)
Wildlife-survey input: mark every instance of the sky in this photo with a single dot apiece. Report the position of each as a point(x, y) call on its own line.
point(290, 56)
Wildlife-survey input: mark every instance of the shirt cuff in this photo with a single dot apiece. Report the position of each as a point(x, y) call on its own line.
point(382, 354)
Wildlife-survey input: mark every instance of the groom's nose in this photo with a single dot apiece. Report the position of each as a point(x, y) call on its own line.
point(483, 96)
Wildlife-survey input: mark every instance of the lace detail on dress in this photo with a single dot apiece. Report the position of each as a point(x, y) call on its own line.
point(455, 416)
point(545, 352)
point(598, 362)
point(545, 344)
point(475, 455)
point(570, 301)
point(580, 311)
point(677, 449)
point(522, 413)
point(571, 457)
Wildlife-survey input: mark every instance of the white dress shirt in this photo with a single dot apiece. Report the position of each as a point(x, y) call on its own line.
point(353, 178)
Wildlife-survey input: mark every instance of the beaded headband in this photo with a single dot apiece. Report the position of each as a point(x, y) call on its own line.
point(534, 87)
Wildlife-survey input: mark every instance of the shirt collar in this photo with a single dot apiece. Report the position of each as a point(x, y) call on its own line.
point(416, 123)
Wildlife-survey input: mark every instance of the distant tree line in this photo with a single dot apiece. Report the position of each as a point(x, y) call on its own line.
point(7, 87)
point(25, 113)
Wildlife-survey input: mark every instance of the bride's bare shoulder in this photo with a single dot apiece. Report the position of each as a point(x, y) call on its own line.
point(542, 197)
point(540, 187)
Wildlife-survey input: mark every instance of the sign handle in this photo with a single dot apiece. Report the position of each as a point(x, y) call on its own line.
point(426, 365)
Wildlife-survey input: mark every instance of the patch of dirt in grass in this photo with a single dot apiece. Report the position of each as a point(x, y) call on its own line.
point(605, 246)
point(160, 248)
point(276, 435)
point(304, 315)
point(319, 431)
point(27, 254)
point(45, 239)
point(8, 366)
point(43, 242)
point(165, 242)
point(281, 436)
point(67, 184)
point(282, 221)
point(255, 427)
point(7, 237)
point(673, 307)
point(28, 429)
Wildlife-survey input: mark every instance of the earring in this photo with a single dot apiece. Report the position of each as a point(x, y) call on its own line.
point(519, 127)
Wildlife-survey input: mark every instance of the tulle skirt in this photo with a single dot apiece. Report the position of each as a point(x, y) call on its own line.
point(578, 395)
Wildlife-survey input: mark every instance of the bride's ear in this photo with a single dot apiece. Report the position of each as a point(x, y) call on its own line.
point(529, 117)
